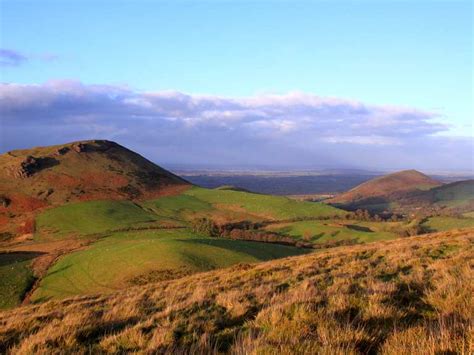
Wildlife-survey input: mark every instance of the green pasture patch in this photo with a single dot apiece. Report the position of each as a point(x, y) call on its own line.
point(110, 263)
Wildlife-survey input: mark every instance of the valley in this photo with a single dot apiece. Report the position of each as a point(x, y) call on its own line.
point(113, 228)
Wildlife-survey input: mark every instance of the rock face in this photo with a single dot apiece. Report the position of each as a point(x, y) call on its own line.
point(62, 151)
point(93, 146)
point(30, 165)
point(27, 168)
point(4, 201)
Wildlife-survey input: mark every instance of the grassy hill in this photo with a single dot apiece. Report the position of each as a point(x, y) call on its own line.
point(388, 184)
point(123, 240)
point(420, 195)
point(84, 218)
point(327, 231)
point(404, 296)
point(34, 179)
point(380, 193)
point(123, 259)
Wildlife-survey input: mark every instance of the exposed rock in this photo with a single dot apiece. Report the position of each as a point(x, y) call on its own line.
point(31, 165)
point(27, 167)
point(4, 201)
point(62, 151)
point(93, 146)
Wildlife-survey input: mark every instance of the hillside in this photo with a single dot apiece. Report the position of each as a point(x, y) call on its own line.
point(37, 178)
point(381, 192)
point(383, 186)
point(456, 197)
point(404, 296)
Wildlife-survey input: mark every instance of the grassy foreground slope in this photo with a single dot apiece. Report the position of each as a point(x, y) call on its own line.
point(128, 258)
point(406, 296)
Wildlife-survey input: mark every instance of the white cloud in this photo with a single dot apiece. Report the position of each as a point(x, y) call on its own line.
point(268, 126)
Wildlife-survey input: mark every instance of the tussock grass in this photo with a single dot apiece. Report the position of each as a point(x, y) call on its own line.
point(406, 296)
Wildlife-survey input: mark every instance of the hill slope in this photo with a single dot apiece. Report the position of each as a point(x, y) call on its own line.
point(387, 185)
point(378, 193)
point(400, 297)
point(89, 170)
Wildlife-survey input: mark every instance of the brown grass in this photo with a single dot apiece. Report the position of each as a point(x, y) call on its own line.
point(407, 296)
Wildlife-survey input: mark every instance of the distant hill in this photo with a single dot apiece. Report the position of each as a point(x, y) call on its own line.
point(382, 190)
point(231, 188)
point(409, 192)
point(35, 178)
point(455, 197)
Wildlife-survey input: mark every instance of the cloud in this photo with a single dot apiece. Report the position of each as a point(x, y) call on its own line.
point(290, 129)
point(11, 58)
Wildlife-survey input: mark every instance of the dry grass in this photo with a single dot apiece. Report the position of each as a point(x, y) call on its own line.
point(408, 296)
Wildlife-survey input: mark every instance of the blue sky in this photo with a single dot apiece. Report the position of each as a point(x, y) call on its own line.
point(405, 54)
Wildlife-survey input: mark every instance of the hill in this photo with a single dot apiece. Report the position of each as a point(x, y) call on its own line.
point(404, 296)
point(381, 192)
point(37, 178)
point(456, 197)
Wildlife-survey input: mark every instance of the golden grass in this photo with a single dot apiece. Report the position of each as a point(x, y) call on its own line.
point(407, 296)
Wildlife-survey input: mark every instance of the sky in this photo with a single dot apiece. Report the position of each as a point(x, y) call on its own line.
point(284, 84)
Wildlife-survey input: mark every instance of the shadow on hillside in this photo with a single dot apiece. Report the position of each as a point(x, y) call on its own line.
point(355, 227)
point(9, 258)
point(248, 247)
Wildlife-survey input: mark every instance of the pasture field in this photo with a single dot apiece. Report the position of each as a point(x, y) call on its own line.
point(335, 230)
point(440, 224)
point(113, 262)
point(16, 277)
point(228, 205)
point(83, 218)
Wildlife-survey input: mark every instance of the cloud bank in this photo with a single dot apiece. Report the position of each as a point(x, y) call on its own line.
point(293, 130)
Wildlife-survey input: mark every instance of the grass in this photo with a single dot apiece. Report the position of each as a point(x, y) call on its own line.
point(85, 218)
point(439, 224)
point(237, 205)
point(112, 262)
point(95, 217)
point(333, 230)
point(16, 277)
point(405, 296)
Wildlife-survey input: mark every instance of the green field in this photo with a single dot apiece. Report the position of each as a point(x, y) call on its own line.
point(237, 205)
point(82, 218)
point(110, 263)
point(93, 217)
point(15, 277)
point(335, 230)
point(440, 224)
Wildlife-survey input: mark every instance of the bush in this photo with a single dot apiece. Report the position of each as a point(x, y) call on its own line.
point(205, 226)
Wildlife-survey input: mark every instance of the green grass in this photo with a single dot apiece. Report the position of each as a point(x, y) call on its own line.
point(178, 207)
point(237, 204)
point(334, 230)
point(110, 263)
point(95, 217)
point(15, 277)
point(440, 224)
point(91, 217)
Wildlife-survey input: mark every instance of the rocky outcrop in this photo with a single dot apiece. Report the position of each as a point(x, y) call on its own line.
point(30, 165)
point(93, 146)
